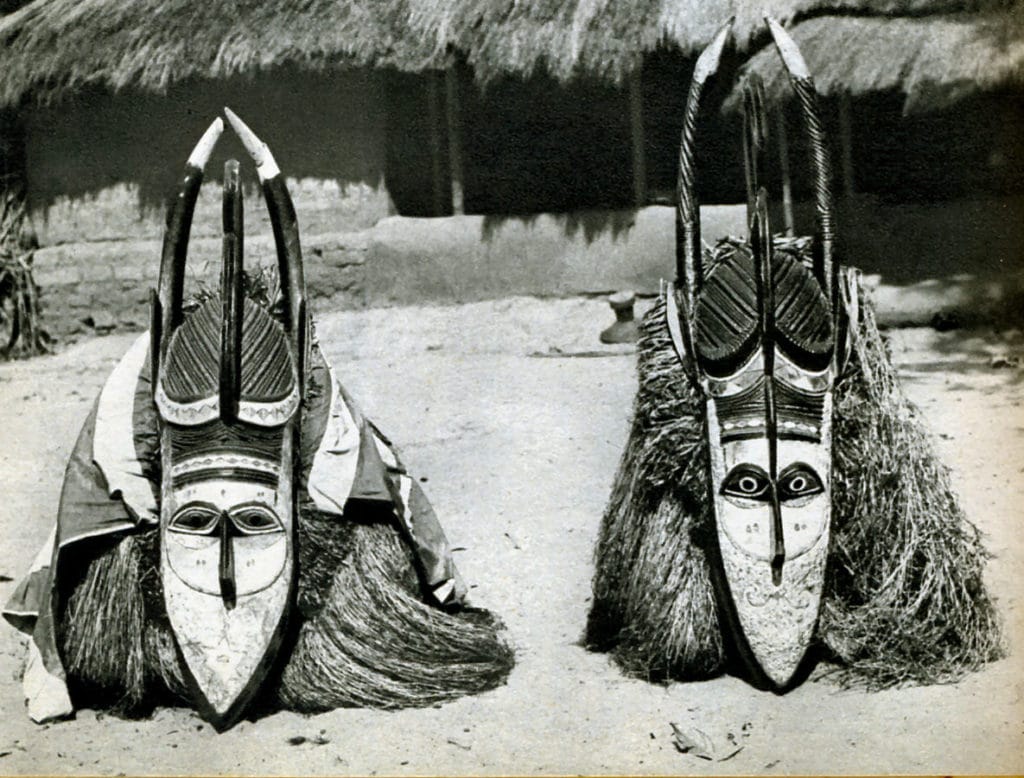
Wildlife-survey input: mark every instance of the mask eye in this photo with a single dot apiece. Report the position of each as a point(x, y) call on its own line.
point(799, 480)
point(195, 519)
point(746, 481)
point(255, 520)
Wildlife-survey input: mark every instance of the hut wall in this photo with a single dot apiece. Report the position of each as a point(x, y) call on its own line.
point(538, 146)
point(103, 285)
point(959, 255)
point(101, 166)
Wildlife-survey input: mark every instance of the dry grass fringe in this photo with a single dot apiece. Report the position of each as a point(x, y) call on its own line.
point(653, 600)
point(21, 330)
point(374, 643)
point(904, 598)
point(362, 635)
point(102, 629)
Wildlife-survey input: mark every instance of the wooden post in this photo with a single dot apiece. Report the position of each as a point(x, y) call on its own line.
point(437, 178)
point(636, 136)
point(846, 142)
point(454, 118)
point(787, 186)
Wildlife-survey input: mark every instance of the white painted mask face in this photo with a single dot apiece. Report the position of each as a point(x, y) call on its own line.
point(773, 528)
point(227, 561)
point(744, 502)
point(226, 537)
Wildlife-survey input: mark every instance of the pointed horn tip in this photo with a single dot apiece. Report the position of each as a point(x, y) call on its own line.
point(237, 123)
point(788, 50)
point(249, 138)
point(266, 167)
point(204, 148)
point(708, 60)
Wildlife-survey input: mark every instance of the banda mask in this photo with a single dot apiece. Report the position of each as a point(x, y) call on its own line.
point(228, 390)
point(760, 327)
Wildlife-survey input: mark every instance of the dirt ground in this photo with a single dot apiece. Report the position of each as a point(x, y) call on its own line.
point(517, 416)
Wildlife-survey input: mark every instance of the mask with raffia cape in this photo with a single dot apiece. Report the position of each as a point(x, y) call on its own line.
point(777, 491)
point(233, 532)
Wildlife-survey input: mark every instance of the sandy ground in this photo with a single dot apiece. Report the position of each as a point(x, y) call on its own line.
point(516, 415)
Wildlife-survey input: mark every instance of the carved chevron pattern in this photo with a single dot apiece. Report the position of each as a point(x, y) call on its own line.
point(727, 314)
point(192, 371)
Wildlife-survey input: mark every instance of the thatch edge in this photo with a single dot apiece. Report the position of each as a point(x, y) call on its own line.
point(934, 60)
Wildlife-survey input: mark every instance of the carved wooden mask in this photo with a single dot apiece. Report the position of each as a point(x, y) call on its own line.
point(759, 326)
point(228, 389)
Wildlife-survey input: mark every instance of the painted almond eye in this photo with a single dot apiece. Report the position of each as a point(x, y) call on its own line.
point(195, 519)
point(799, 480)
point(747, 481)
point(255, 520)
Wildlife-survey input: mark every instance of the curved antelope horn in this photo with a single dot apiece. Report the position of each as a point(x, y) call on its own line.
point(688, 246)
point(167, 298)
point(755, 140)
point(286, 237)
point(231, 296)
point(825, 267)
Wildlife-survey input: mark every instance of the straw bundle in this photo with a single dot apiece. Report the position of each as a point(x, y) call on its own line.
point(21, 331)
point(905, 599)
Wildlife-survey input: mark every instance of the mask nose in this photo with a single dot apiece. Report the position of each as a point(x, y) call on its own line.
point(227, 562)
point(777, 540)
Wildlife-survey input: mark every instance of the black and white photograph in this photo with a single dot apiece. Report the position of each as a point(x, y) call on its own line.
point(511, 387)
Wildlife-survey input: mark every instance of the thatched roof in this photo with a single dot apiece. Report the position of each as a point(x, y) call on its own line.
point(53, 46)
point(935, 60)
point(49, 47)
point(609, 38)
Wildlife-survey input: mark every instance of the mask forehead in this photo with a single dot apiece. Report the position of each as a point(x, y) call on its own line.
point(233, 487)
point(788, 452)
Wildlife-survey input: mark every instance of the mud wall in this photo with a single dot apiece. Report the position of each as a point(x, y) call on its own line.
point(959, 255)
point(100, 166)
